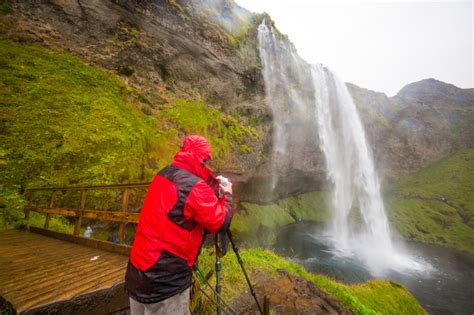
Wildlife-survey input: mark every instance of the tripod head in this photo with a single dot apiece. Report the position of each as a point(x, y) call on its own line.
point(221, 243)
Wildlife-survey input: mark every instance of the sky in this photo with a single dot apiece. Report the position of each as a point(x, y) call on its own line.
point(380, 45)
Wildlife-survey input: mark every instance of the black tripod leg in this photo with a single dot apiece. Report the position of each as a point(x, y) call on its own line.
point(218, 278)
point(241, 263)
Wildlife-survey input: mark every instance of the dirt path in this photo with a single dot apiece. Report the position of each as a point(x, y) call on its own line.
point(289, 295)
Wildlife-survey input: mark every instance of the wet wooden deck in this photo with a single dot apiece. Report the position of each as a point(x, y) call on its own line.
point(41, 274)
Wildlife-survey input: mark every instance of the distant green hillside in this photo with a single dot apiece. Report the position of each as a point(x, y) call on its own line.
point(436, 205)
point(66, 123)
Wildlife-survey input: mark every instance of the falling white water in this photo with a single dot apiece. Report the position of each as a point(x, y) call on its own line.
point(359, 226)
point(285, 75)
point(351, 170)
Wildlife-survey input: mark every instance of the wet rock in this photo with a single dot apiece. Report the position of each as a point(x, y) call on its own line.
point(289, 295)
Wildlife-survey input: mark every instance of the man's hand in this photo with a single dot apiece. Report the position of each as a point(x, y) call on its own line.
point(226, 188)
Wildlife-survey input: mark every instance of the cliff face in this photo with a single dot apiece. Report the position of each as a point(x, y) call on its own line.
point(424, 122)
point(157, 45)
point(206, 50)
point(163, 50)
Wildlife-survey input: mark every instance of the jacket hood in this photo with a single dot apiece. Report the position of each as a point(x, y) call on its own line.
point(194, 151)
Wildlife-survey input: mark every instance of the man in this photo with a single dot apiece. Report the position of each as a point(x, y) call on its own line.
point(181, 201)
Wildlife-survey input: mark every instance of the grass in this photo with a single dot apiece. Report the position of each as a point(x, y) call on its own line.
point(436, 205)
point(372, 297)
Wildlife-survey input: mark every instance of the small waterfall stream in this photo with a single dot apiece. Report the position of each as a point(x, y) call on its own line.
point(313, 96)
point(288, 91)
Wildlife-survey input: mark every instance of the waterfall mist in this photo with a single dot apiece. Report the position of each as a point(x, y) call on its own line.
point(288, 90)
point(313, 98)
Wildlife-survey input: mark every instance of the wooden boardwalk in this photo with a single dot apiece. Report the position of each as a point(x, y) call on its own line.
point(41, 274)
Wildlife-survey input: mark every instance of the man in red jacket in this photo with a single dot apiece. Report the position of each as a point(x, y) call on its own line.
point(182, 200)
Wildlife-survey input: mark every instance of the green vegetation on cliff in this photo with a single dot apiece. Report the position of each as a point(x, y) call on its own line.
point(372, 297)
point(224, 132)
point(263, 219)
point(67, 123)
point(436, 204)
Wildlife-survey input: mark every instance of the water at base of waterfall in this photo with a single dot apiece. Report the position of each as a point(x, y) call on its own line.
point(359, 227)
point(443, 284)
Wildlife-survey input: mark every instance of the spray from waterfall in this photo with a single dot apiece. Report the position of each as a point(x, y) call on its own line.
point(285, 73)
point(359, 225)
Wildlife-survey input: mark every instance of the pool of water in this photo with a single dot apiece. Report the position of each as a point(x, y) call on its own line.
point(444, 286)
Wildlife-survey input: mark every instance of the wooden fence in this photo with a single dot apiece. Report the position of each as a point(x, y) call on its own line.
point(60, 201)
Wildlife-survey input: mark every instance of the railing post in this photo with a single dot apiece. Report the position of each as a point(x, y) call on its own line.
point(125, 197)
point(77, 225)
point(51, 205)
point(28, 206)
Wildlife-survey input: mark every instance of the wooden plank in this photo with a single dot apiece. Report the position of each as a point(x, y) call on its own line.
point(51, 205)
point(31, 275)
point(59, 211)
point(125, 202)
point(61, 271)
point(116, 186)
point(115, 216)
point(78, 223)
point(98, 244)
point(70, 277)
point(68, 291)
point(28, 206)
point(71, 254)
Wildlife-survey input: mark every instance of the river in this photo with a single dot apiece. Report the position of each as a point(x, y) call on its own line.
point(447, 287)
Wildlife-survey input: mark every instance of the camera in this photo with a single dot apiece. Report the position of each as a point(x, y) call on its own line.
point(224, 181)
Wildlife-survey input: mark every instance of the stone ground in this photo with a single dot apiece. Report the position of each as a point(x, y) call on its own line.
point(289, 295)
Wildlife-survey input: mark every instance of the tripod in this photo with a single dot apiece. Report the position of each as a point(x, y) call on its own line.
point(219, 252)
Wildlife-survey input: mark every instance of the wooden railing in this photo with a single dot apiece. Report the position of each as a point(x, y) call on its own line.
point(128, 211)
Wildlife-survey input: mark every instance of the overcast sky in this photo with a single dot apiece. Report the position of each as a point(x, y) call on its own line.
point(380, 45)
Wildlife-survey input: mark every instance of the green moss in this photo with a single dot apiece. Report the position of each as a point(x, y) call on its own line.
point(179, 8)
point(6, 7)
point(436, 205)
point(56, 223)
point(311, 206)
point(260, 220)
point(372, 297)
point(225, 133)
point(264, 219)
point(244, 149)
point(65, 122)
point(13, 204)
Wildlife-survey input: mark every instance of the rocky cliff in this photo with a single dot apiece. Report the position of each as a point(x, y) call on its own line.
point(424, 122)
point(206, 51)
point(164, 51)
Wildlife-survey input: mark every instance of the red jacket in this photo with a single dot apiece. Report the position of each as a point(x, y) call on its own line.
point(180, 202)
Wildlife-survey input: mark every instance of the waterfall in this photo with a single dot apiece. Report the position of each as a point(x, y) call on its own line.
point(350, 169)
point(286, 75)
point(312, 96)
